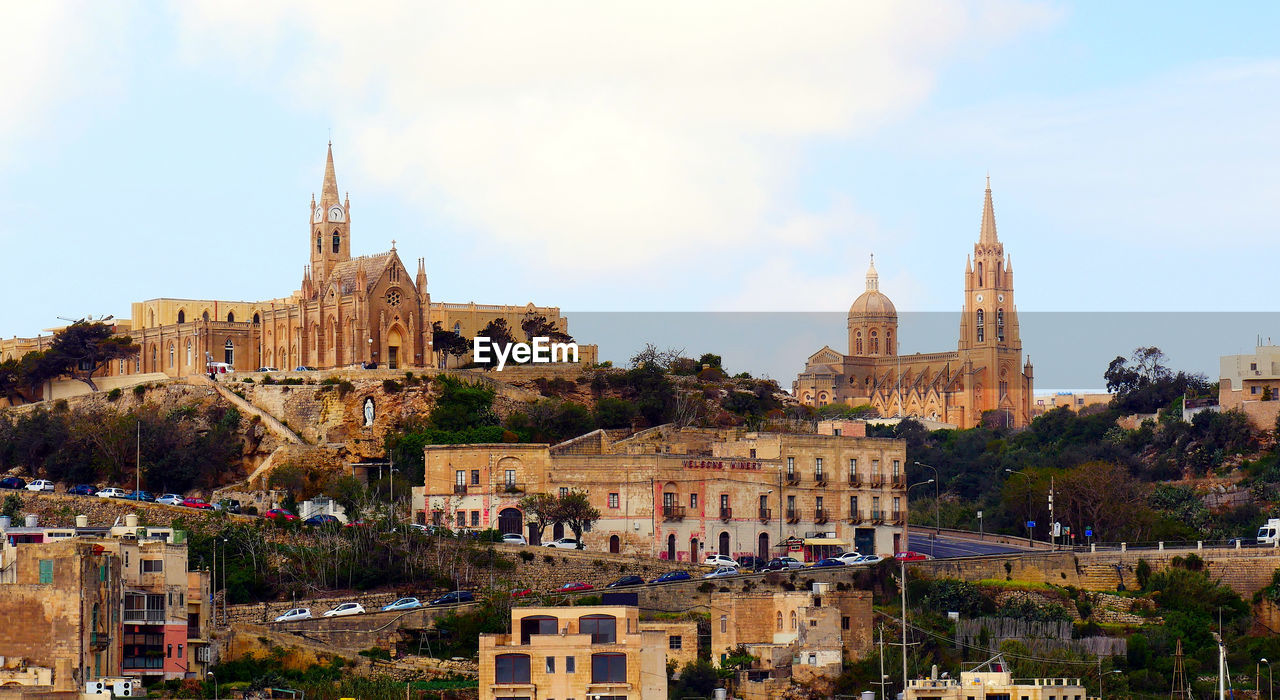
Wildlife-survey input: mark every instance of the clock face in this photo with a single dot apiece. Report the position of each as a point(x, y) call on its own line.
point(319, 215)
point(335, 213)
point(1000, 297)
point(979, 298)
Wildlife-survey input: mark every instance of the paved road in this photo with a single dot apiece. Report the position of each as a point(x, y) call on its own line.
point(946, 547)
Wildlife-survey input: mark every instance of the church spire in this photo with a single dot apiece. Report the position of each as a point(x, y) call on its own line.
point(988, 234)
point(873, 278)
point(329, 192)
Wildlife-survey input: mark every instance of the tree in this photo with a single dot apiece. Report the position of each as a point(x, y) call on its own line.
point(709, 360)
point(614, 413)
point(1143, 384)
point(462, 405)
point(447, 342)
point(499, 335)
point(575, 510)
point(651, 356)
point(539, 511)
point(83, 349)
point(536, 325)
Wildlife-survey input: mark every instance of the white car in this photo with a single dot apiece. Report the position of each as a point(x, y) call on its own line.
point(719, 560)
point(850, 558)
point(722, 572)
point(346, 609)
point(511, 538)
point(563, 543)
point(868, 559)
point(112, 493)
point(40, 485)
point(170, 499)
point(294, 615)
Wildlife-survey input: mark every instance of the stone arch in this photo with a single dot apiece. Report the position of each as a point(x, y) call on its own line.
point(395, 346)
point(510, 521)
point(671, 547)
point(257, 318)
point(205, 315)
point(615, 544)
point(762, 551)
point(724, 543)
point(231, 317)
point(182, 315)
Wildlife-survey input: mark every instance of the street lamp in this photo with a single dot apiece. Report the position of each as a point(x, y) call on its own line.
point(937, 503)
point(215, 683)
point(1101, 674)
point(1028, 478)
point(1258, 677)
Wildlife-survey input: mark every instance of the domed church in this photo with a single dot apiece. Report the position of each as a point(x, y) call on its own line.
point(984, 373)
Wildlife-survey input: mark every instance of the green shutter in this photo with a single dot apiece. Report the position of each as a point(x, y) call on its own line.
point(46, 571)
point(102, 572)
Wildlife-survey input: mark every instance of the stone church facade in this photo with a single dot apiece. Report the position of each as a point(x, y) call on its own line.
point(984, 373)
point(348, 311)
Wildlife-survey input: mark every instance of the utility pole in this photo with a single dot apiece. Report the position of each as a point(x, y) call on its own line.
point(882, 681)
point(137, 456)
point(904, 627)
point(1053, 534)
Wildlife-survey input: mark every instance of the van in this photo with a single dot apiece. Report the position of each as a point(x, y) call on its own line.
point(218, 368)
point(1269, 533)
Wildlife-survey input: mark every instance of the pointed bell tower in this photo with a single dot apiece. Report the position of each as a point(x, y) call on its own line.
point(990, 319)
point(330, 236)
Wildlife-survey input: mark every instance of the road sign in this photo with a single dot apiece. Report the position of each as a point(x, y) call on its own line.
point(1031, 523)
point(979, 515)
point(1088, 532)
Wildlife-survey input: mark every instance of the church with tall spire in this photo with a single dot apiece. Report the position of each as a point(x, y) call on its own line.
point(984, 378)
point(348, 311)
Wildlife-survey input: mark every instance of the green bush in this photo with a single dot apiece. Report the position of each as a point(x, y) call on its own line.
point(391, 386)
point(114, 394)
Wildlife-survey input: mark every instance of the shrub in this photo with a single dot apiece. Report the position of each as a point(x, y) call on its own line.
point(706, 587)
point(113, 394)
point(248, 380)
point(139, 390)
point(526, 556)
point(390, 386)
point(1143, 573)
point(376, 653)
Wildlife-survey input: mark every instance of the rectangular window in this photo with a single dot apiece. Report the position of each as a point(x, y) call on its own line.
point(603, 629)
point(46, 571)
point(475, 477)
point(510, 477)
point(511, 668)
point(693, 500)
point(551, 664)
point(853, 466)
point(724, 501)
point(475, 518)
point(791, 502)
point(836, 432)
point(152, 566)
point(1253, 390)
point(844, 622)
point(675, 641)
point(895, 504)
point(169, 652)
point(818, 502)
point(179, 651)
point(753, 453)
point(724, 624)
point(817, 466)
point(462, 518)
point(460, 478)
point(564, 491)
point(853, 506)
point(569, 664)
point(791, 466)
point(608, 668)
point(897, 467)
point(613, 500)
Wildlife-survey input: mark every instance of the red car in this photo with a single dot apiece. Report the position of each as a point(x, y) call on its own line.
point(196, 503)
point(279, 514)
point(356, 523)
point(521, 592)
point(575, 586)
point(910, 556)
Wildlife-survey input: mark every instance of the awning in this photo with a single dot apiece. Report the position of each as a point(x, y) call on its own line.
point(818, 541)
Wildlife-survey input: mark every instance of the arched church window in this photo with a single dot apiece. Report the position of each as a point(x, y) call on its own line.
point(888, 342)
point(182, 316)
point(979, 274)
point(875, 344)
point(857, 343)
point(171, 354)
point(337, 241)
point(256, 319)
point(188, 353)
point(319, 243)
point(457, 327)
point(1000, 325)
point(231, 317)
point(980, 328)
point(205, 316)
point(229, 353)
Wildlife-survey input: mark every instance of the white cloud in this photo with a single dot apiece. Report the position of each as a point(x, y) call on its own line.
point(574, 129)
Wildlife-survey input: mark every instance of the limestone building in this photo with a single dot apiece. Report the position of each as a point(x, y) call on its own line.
point(984, 373)
point(348, 311)
point(994, 679)
point(682, 494)
point(1251, 384)
point(581, 652)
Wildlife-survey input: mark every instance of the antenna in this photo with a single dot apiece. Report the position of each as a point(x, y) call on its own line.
point(1181, 690)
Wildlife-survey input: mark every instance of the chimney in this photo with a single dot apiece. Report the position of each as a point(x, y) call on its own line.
point(82, 521)
point(32, 521)
point(131, 520)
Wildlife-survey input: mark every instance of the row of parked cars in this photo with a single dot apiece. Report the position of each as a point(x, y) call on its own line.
point(172, 499)
point(345, 609)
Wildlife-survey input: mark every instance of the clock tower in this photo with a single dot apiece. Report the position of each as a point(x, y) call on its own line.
point(330, 236)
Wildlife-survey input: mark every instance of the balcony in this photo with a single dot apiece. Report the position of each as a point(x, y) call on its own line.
point(793, 515)
point(99, 640)
point(766, 514)
point(855, 480)
point(726, 514)
point(793, 478)
point(899, 481)
point(857, 517)
point(673, 512)
point(820, 478)
point(877, 516)
point(821, 515)
point(143, 617)
point(460, 489)
point(898, 517)
point(511, 487)
point(877, 480)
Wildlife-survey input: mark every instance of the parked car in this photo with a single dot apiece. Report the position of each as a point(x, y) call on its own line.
point(782, 563)
point(218, 368)
point(850, 558)
point(454, 597)
point(514, 538)
point(170, 499)
point(268, 369)
point(563, 543)
point(304, 368)
point(829, 561)
point(719, 560)
point(750, 562)
point(672, 576)
point(198, 503)
point(295, 614)
point(13, 482)
point(626, 581)
point(355, 523)
point(402, 604)
point(230, 505)
point(279, 514)
point(521, 592)
point(319, 519)
point(722, 572)
point(436, 530)
point(82, 490)
point(575, 586)
point(868, 559)
point(910, 556)
point(112, 492)
point(40, 485)
point(346, 609)
point(140, 496)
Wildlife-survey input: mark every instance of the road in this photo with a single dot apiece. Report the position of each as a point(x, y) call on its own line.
point(947, 547)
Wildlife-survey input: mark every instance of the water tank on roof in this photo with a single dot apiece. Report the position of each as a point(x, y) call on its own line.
point(82, 521)
point(32, 520)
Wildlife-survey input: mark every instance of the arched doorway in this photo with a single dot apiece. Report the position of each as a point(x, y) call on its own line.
point(509, 521)
point(395, 340)
point(724, 543)
point(535, 535)
point(671, 547)
point(557, 531)
point(762, 549)
point(615, 544)
point(693, 549)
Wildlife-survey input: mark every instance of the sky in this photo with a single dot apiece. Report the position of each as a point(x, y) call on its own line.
point(639, 157)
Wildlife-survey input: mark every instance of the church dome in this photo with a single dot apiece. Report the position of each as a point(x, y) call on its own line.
point(872, 303)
